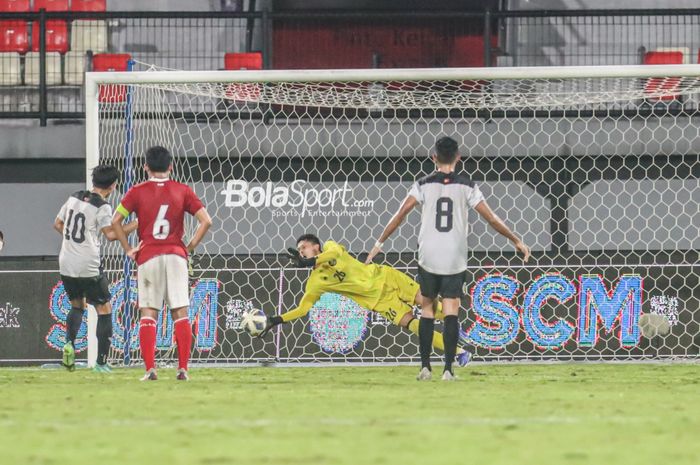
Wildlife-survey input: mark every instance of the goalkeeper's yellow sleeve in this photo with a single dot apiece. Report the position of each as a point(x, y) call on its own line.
point(304, 307)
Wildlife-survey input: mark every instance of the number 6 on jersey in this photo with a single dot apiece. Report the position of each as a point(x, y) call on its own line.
point(161, 226)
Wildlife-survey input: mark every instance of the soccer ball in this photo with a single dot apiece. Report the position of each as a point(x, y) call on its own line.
point(254, 321)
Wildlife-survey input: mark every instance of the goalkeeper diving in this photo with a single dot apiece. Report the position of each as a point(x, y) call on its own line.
point(379, 288)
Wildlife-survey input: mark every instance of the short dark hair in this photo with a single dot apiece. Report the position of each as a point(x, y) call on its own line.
point(104, 176)
point(446, 150)
point(310, 238)
point(158, 159)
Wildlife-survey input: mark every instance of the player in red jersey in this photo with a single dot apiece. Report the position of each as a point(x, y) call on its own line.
point(160, 205)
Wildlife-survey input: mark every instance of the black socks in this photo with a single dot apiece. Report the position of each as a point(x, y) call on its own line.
point(450, 336)
point(73, 322)
point(426, 326)
point(104, 337)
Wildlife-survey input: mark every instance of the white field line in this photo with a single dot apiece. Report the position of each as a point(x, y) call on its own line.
point(340, 421)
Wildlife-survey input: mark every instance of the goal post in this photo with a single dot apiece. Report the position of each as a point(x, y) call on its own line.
point(595, 167)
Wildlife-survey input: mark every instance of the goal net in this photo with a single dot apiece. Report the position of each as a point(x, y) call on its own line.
point(596, 168)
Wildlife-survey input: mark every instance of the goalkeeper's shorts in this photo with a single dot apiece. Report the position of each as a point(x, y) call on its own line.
point(398, 295)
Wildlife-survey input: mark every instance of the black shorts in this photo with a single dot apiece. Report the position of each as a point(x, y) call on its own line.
point(95, 290)
point(446, 286)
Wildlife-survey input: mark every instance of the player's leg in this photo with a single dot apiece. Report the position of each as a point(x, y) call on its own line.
point(151, 288)
point(464, 352)
point(451, 291)
point(183, 338)
point(76, 296)
point(99, 296)
point(177, 298)
point(147, 340)
point(429, 285)
point(450, 333)
point(408, 321)
point(396, 304)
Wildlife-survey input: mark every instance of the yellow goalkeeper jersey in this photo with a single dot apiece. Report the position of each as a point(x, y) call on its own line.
point(336, 271)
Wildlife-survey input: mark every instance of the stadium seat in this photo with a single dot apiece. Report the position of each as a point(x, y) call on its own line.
point(237, 61)
point(14, 36)
point(88, 35)
point(665, 56)
point(10, 69)
point(14, 6)
point(51, 5)
point(111, 62)
point(74, 68)
point(53, 69)
point(89, 5)
point(56, 36)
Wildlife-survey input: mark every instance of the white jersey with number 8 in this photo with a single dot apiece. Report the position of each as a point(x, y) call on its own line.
point(445, 202)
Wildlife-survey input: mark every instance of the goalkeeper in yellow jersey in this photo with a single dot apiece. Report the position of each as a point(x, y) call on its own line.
point(379, 288)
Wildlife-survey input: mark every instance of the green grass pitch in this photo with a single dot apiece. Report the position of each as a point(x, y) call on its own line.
point(495, 414)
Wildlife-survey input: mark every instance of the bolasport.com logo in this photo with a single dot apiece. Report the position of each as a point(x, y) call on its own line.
point(298, 198)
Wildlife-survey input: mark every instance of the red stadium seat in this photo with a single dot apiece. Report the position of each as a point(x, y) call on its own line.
point(111, 62)
point(237, 61)
point(663, 57)
point(51, 5)
point(14, 6)
point(56, 36)
point(88, 5)
point(14, 36)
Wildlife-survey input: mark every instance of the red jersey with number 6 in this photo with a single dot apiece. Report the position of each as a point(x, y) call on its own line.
point(160, 206)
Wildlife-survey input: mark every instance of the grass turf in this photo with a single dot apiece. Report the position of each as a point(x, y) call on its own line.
point(495, 414)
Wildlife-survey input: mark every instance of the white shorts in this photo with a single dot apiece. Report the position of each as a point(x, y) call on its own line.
point(164, 278)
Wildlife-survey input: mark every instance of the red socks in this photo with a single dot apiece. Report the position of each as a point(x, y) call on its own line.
point(183, 337)
point(147, 342)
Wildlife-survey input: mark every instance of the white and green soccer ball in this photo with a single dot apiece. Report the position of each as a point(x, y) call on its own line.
point(254, 321)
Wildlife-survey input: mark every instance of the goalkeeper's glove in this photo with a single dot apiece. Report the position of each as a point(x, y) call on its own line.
point(272, 321)
point(296, 258)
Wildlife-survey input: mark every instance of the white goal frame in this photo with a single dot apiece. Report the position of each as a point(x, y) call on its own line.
point(94, 79)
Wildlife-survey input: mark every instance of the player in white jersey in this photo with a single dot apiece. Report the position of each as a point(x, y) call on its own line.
point(445, 197)
point(80, 221)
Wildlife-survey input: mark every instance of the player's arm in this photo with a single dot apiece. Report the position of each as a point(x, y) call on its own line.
point(59, 222)
point(204, 224)
point(408, 204)
point(109, 233)
point(496, 223)
point(307, 302)
point(58, 225)
point(118, 229)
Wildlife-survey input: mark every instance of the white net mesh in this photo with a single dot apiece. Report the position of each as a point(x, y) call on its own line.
point(598, 176)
